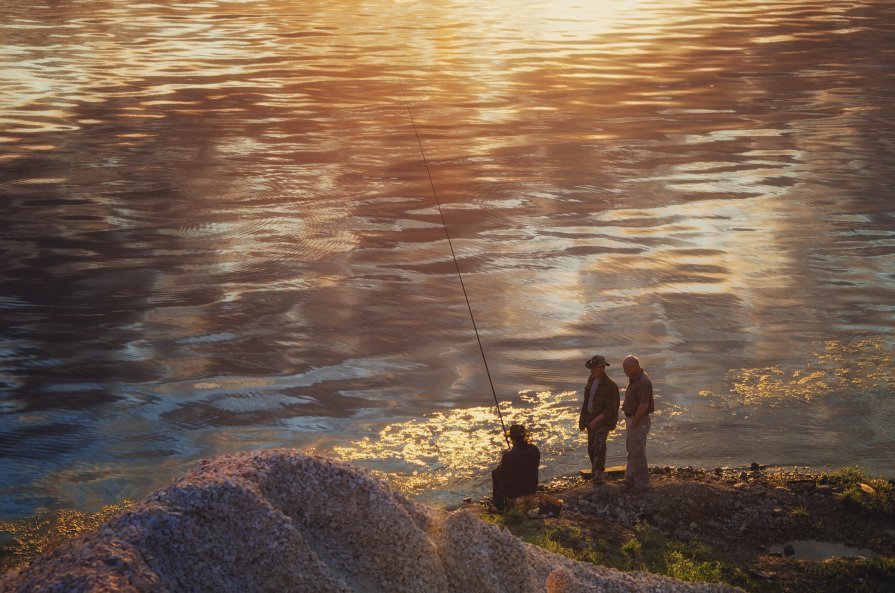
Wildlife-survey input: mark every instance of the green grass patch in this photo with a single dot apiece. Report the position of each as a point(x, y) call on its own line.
point(864, 493)
point(559, 541)
point(509, 519)
point(686, 566)
point(871, 575)
point(651, 551)
point(645, 549)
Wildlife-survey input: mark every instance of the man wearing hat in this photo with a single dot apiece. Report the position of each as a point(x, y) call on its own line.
point(599, 414)
point(515, 479)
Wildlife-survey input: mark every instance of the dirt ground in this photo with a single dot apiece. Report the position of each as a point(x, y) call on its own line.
point(744, 518)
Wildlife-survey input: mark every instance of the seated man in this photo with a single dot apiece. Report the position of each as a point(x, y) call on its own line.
point(516, 477)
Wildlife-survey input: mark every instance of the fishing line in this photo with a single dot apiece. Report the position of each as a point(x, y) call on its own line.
point(454, 257)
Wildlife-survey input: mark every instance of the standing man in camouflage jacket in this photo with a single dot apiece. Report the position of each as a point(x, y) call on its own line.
point(599, 414)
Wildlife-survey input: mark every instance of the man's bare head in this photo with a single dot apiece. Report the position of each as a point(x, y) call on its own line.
point(631, 365)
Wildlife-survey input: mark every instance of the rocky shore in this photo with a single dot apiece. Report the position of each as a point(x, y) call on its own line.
point(754, 527)
point(281, 521)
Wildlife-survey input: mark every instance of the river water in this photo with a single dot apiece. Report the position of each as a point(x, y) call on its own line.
point(219, 234)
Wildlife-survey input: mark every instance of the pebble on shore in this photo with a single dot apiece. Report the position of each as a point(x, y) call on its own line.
point(282, 521)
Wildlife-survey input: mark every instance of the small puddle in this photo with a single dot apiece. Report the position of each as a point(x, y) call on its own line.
point(807, 549)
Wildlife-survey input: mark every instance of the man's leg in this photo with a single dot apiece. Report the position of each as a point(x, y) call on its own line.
point(590, 446)
point(497, 496)
point(598, 453)
point(637, 470)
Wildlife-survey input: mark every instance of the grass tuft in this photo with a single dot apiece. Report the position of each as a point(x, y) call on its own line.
point(510, 518)
point(688, 567)
point(556, 541)
point(855, 495)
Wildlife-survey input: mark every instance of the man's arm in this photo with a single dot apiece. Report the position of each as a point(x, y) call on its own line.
point(607, 408)
point(642, 410)
point(582, 417)
point(599, 418)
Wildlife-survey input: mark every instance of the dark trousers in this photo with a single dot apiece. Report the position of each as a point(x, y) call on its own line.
point(497, 491)
point(596, 449)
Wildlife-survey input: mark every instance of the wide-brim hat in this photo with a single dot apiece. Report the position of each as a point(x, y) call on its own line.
point(597, 361)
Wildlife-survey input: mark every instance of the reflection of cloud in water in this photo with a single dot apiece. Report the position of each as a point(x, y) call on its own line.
point(443, 447)
point(839, 368)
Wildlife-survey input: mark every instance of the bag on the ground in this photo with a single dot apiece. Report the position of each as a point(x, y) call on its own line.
point(549, 506)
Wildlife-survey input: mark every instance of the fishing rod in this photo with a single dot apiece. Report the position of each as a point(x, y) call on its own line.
point(456, 265)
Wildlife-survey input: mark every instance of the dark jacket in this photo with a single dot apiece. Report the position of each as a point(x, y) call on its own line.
point(639, 391)
point(605, 401)
point(517, 473)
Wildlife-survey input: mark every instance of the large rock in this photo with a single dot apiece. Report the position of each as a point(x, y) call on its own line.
point(284, 522)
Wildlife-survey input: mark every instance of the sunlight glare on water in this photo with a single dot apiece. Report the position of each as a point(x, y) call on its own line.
point(445, 448)
point(855, 369)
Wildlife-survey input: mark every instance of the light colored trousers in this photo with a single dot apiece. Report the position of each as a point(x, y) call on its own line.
point(637, 471)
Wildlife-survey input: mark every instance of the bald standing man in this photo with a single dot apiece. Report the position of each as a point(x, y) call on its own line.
point(638, 406)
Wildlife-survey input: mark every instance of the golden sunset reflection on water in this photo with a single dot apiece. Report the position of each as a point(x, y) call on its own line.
point(462, 444)
point(838, 368)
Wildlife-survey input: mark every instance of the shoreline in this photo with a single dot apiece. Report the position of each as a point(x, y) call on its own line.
point(735, 521)
point(703, 525)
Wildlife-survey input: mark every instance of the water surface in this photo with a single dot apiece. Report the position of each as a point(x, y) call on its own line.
point(219, 234)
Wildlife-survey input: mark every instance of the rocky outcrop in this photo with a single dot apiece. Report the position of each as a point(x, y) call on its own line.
point(281, 521)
